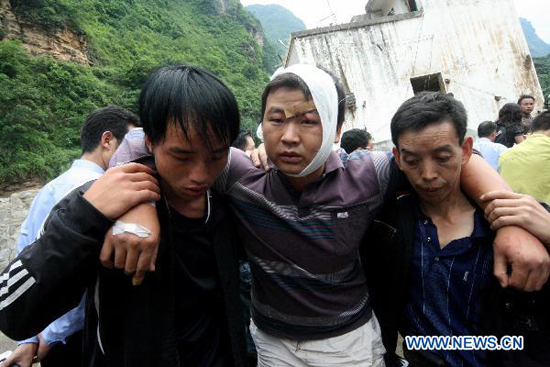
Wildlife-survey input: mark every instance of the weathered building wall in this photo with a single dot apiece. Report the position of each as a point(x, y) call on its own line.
point(477, 46)
point(13, 211)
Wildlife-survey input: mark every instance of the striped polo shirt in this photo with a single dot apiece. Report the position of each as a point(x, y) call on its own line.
point(307, 279)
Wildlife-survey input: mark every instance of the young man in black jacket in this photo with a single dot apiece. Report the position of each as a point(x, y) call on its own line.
point(186, 313)
point(430, 268)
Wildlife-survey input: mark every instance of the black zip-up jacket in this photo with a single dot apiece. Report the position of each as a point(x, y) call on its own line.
point(126, 326)
point(387, 255)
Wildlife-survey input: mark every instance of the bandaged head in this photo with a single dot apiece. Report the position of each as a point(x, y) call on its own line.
point(325, 101)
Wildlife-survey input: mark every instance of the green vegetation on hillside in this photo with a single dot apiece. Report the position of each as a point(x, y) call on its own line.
point(537, 46)
point(42, 105)
point(43, 101)
point(48, 13)
point(538, 49)
point(542, 64)
point(278, 23)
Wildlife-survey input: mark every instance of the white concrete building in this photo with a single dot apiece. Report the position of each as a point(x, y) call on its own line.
point(474, 49)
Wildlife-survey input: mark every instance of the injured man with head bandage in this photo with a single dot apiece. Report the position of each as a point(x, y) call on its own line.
point(302, 223)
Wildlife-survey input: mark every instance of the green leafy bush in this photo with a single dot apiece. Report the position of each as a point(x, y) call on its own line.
point(542, 64)
point(50, 14)
point(43, 103)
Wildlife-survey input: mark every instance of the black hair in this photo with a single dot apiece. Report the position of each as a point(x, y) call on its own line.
point(293, 81)
point(541, 122)
point(190, 97)
point(428, 108)
point(486, 128)
point(353, 139)
point(111, 118)
point(241, 141)
point(510, 113)
point(525, 96)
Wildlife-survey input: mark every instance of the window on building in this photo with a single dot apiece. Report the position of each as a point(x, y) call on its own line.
point(351, 101)
point(412, 5)
point(431, 83)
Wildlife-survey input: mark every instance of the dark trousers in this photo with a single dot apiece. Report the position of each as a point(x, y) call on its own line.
point(423, 358)
point(65, 355)
point(245, 279)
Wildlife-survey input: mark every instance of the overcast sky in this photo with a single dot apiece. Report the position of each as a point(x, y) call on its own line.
point(317, 13)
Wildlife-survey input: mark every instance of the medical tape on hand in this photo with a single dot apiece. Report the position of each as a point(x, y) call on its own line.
point(134, 228)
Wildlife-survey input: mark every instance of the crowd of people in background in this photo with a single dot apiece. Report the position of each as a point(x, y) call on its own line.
point(517, 145)
point(289, 253)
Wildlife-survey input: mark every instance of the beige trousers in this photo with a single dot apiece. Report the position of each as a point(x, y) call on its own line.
point(361, 347)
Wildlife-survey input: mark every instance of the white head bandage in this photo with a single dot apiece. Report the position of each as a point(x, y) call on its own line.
point(325, 97)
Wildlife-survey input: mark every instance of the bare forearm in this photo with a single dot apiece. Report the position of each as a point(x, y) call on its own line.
point(478, 178)
point(513, 245)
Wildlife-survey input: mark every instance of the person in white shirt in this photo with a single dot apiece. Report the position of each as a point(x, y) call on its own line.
point(491, 151)
point(60, 343)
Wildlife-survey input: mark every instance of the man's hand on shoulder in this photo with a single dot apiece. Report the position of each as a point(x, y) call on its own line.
point(122, 188)
point(259, 157)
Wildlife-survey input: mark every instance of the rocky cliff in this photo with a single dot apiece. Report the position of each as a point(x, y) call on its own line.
point(63, 44)
point(277, 22)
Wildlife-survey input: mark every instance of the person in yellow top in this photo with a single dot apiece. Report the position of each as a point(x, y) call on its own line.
point(526, 167)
